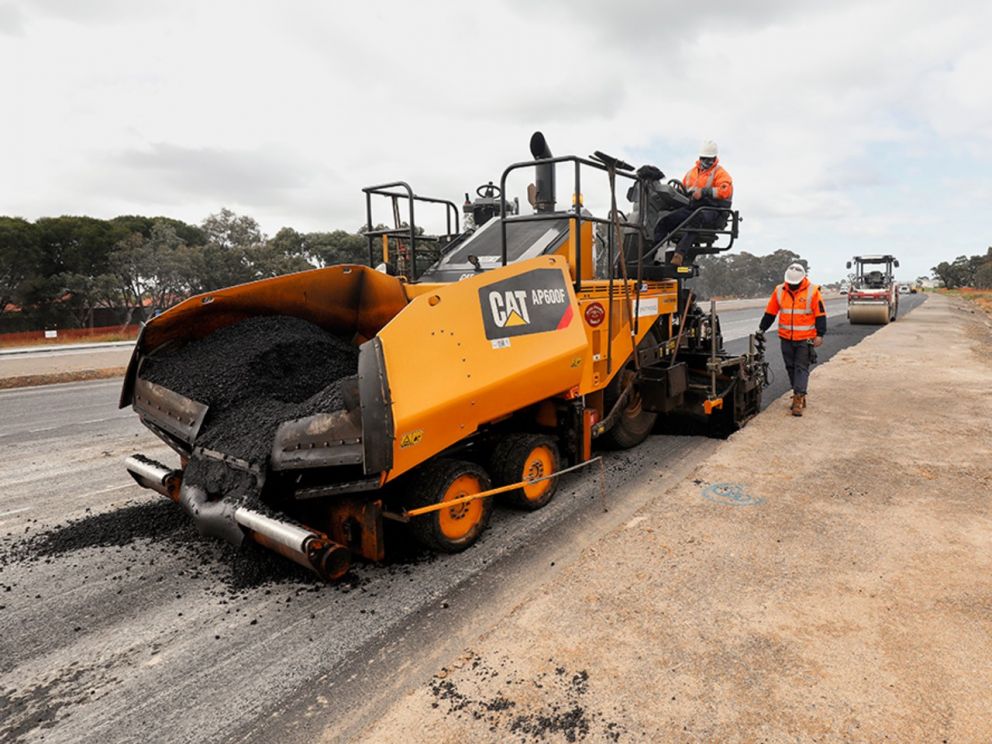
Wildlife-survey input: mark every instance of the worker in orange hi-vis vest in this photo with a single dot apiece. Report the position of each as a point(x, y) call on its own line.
point(802, 323)
point(708, 185)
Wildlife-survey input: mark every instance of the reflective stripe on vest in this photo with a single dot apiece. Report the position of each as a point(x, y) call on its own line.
point(787, 326)
point(709, 181)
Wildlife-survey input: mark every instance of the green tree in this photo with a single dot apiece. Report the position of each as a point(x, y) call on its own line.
point(18, 258)
point(983, 270)
point(188, 234)
point(337, 247)
point(742, 274)
point(231, 231)
point(72, 253)
point(151, 268)
point(957, 273)
point(80, 295)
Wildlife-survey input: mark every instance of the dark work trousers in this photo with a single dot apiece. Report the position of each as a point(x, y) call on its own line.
point(795, 354)
point(706, 220)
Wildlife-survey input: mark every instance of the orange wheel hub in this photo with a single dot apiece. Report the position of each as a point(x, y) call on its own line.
point(460, 519)
point(540, 463)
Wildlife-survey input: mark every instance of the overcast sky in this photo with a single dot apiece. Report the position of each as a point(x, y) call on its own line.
point(849, 127)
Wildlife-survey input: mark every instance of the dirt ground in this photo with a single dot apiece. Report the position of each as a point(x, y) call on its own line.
point(825, 578)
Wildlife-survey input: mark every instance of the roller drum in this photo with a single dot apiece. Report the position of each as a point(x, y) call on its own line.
point(873, 314)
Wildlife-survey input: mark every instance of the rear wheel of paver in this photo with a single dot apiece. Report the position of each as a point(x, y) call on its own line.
point(454, 528)
point(519, 457)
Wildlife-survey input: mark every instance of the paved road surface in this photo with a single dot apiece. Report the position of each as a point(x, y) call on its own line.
point(126, 626)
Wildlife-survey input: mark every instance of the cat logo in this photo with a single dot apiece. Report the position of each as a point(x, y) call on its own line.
point(411, 438)
point(533, 302)
point(509, 309)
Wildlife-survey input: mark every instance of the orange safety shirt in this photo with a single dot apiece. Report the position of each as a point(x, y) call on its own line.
point(797, 310)
point(716, 178)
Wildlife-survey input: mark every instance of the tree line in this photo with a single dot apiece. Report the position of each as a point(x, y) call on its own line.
point(63, 272)
point(742, 274)
point(966, 271)
point(58, 272)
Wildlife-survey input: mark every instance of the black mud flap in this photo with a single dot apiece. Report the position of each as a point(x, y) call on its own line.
point(175, 414)
point(377, 408)
point(320, 441)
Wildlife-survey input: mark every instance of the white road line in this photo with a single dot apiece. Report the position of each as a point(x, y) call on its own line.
point(72, 423)
point(15, 511)
point(83, 385)
point(98, 420)
point(107, 490)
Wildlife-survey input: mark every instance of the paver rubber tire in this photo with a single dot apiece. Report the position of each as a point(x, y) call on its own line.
point(453, 529)
point(518, 457)
point(634, 424)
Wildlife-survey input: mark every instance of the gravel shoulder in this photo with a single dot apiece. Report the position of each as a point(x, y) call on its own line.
point(822, 578)
point(47, 367)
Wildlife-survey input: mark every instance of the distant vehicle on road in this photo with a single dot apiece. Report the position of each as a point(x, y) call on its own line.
point(904, 289)
point(844, 287)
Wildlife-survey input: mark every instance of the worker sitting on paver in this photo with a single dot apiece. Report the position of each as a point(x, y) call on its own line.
point(802, 323)
point(708, 185)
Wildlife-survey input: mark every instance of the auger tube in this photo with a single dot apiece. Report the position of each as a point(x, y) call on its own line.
point(304, 546)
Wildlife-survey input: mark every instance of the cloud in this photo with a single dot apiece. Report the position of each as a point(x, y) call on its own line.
point(836, 120)
point(249, 177)
point(11, 20)
point(100, 11)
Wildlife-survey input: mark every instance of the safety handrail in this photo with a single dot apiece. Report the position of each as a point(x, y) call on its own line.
point(733, 232)
point(574, 214)
point(402, 190)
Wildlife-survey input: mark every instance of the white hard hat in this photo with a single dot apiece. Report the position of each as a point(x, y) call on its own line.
point(707, 149)
point(795, 274)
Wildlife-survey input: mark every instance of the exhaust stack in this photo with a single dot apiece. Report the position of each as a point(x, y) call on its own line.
point(544, 175)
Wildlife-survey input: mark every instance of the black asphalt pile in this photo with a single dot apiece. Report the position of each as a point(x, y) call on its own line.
point(150, 532)
point(254, 375)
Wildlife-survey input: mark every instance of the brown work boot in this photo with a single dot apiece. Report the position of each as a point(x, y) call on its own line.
point(676, 259)
point(798, 404)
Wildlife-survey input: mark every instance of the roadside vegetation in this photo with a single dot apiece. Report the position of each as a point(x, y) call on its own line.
point(70, 336)
point(981, 297)
point(966, 271)
point(79, 272)
point(742, 275)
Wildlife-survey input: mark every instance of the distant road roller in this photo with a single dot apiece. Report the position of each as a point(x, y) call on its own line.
point(488, 361)
point(873, 297)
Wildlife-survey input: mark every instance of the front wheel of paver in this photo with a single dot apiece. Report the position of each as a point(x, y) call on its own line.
point(454, 528)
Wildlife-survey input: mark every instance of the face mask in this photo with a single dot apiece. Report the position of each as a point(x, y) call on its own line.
point(706, 163)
